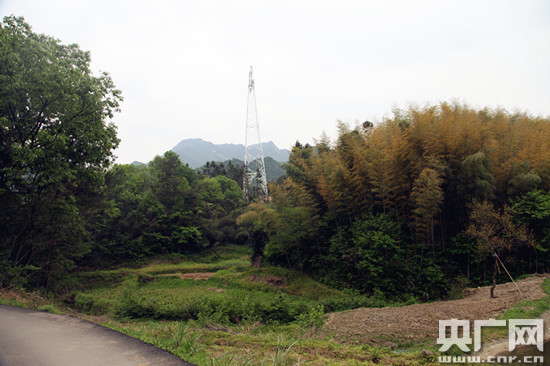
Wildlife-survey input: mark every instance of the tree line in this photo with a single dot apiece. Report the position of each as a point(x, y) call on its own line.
point(432, 198)
point(63, 202)
point(416, 203)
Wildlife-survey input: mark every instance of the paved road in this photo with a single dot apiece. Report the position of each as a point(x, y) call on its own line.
point(34, 338)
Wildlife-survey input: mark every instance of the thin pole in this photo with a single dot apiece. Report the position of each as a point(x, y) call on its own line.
point(503, 266)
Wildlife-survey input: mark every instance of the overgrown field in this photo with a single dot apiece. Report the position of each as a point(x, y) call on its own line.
point(220, 288)
point(216, 310)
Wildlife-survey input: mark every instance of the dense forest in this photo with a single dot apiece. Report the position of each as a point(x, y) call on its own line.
point(63, 202)
point(415, 203)
point(435, 197)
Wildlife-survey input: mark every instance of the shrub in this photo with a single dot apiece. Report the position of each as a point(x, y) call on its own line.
point(457, 288)
point(314, 319)
point(129, 306)
point(89, 304)
point(49, 308)
point(144, 278)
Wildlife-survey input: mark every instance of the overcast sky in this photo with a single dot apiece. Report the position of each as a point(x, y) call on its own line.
point(183, 65)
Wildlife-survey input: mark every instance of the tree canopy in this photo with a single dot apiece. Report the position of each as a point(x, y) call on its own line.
point(402, 206)
point(55, 142)
point(421, 169)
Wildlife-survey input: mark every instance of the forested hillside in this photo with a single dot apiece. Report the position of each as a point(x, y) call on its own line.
point(413, 207)
point(416, 203)
point(162, 208)
point(234, 169)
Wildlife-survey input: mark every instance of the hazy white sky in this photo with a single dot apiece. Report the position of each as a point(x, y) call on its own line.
point(183, 65)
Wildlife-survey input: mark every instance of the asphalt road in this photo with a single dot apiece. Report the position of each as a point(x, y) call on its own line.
point(34, 338)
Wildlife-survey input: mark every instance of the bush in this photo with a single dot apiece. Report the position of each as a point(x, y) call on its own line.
point(249, 311)
point(89, 304)
point(218, 310)
point(49, 308)
point(457, 288)
point(314, 319)
point(174, 299)
point(129, 306)
point(144, 278)
point(284, 309)
point(15, 276)
point(95, 279)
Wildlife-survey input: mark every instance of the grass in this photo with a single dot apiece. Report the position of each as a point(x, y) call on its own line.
point(236, 293)
point(258, 345)
point(28, 300)
point(12, 302)
point(238, 316)
point(190, 267)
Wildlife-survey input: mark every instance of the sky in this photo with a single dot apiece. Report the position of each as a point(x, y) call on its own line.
point(183, 65)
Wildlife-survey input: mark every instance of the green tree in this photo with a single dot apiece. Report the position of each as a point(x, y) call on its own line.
point(129, 209)
point(524, 179)
point(369, 255)
point(172, 181)
point(533, 209)
point(177, 227)
point(259, 220)
point(298, 162)
point(219, 197)
point(477, 181)
point(55, 143)
point(294, 242)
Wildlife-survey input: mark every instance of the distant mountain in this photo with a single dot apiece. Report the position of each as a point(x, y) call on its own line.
point(273, 169)
point(196, 152)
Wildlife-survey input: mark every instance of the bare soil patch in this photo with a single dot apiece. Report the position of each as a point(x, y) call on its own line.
point(193, 276)
point(420, 322)
point(216, 289)
point(275, 281)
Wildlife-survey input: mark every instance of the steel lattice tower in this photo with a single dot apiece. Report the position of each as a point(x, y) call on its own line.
point(254, 181)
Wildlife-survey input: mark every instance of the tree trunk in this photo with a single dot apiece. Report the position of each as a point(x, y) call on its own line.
point(494, 279)
point(257, 261)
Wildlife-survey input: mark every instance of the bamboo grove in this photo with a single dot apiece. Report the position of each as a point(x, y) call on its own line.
point(415, 204)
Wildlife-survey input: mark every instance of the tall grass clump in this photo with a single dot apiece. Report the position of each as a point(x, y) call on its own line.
point(186, 339)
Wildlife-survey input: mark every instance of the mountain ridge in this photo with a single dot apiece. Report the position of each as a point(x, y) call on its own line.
point(196, 152)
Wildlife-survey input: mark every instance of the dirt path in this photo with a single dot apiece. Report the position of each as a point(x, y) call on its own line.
point(36, 338)
point(420, 322)
point(193, 276)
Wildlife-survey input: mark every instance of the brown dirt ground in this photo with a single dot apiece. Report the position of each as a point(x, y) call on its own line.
point(420, 322)
point(193, 276)
point(275, 281)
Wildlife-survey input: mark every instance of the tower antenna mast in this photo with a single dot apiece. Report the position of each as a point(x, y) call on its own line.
point(254, 180)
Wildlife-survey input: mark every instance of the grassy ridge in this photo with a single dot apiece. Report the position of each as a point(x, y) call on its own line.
point(238, 316)
point(235, 293)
